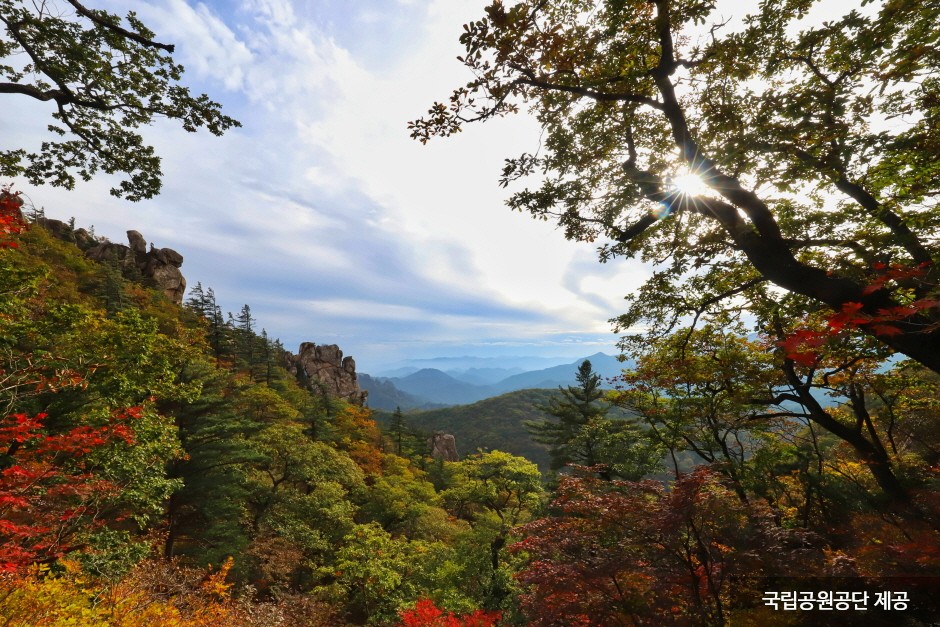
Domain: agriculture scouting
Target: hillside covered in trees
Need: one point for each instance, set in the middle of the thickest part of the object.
(166, 458)
(771, 457)
(156, 447)
(497, 423)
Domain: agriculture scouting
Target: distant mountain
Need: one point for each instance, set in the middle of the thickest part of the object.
(383, 395)
(431, 386)
(483, 376)
(439, 387)
(404, 371)
(449, 364)
(607, 366)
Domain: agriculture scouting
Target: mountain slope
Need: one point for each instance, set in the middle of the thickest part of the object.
(436, 386)
(606, 366)
(493, 423)
(430, 386)
(383, 395)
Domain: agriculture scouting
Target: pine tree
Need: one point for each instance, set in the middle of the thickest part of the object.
(575, 410)
(218, 330)
(266, 357)
(111, 287)
(244, 325)
(197, 300)
(204, 518)
(202, 302)
(397, 429)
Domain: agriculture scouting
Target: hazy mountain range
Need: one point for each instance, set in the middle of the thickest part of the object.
(411, 387)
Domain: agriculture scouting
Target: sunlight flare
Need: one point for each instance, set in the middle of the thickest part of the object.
(689, 184)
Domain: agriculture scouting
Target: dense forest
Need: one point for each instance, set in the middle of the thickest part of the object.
(163, 466)
(770, 458)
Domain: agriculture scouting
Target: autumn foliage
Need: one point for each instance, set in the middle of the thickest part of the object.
(11, 218)
(806, 345)
(426, 614)
(48, 490)
(152, 594)
(139, 448)
(632, 552)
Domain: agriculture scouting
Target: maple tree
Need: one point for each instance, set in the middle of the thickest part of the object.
(106, 77)
(426, 614)
(11, 218)
(623, 553)
(785, 121)
(49, 492)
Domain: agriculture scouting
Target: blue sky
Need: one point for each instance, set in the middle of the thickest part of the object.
(322, 214)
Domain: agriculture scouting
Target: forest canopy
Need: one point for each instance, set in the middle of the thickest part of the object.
(778, 429)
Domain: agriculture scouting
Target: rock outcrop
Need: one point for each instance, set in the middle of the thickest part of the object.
(325, 368)
(60, 230)
(443, 446)
(161, 265)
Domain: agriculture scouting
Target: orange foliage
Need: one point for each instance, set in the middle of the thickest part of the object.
(156, 593)
(804, 345)
(359, 435)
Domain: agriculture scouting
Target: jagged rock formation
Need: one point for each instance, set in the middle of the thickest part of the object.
(325, 368)
(443, 446)
(60, 230)
(162, 265)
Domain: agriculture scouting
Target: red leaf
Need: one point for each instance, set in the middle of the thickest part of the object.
(886, 329)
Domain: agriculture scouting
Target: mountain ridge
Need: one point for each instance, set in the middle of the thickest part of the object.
(431, 386)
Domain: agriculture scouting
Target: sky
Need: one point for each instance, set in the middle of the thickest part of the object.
(322, 214)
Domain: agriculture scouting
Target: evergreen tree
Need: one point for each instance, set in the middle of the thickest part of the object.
(578, 407)
(244, 326)
(202, 302)
(205, 517)
(270, 358)
(397, 429)
(111, 287)
(218, 329)
(197, 300)
(584, 435)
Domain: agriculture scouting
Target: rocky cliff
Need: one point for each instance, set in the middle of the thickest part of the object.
(161, 265)
(325, 368)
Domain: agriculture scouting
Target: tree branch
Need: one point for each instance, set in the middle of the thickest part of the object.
(532, 81)
(32, 91)
(863, 197)
(96, 18)
(863, 253)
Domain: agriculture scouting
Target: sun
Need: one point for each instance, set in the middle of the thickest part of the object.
(689, 184)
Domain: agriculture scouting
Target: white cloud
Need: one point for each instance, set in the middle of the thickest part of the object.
(207, 47)
(326, 217)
